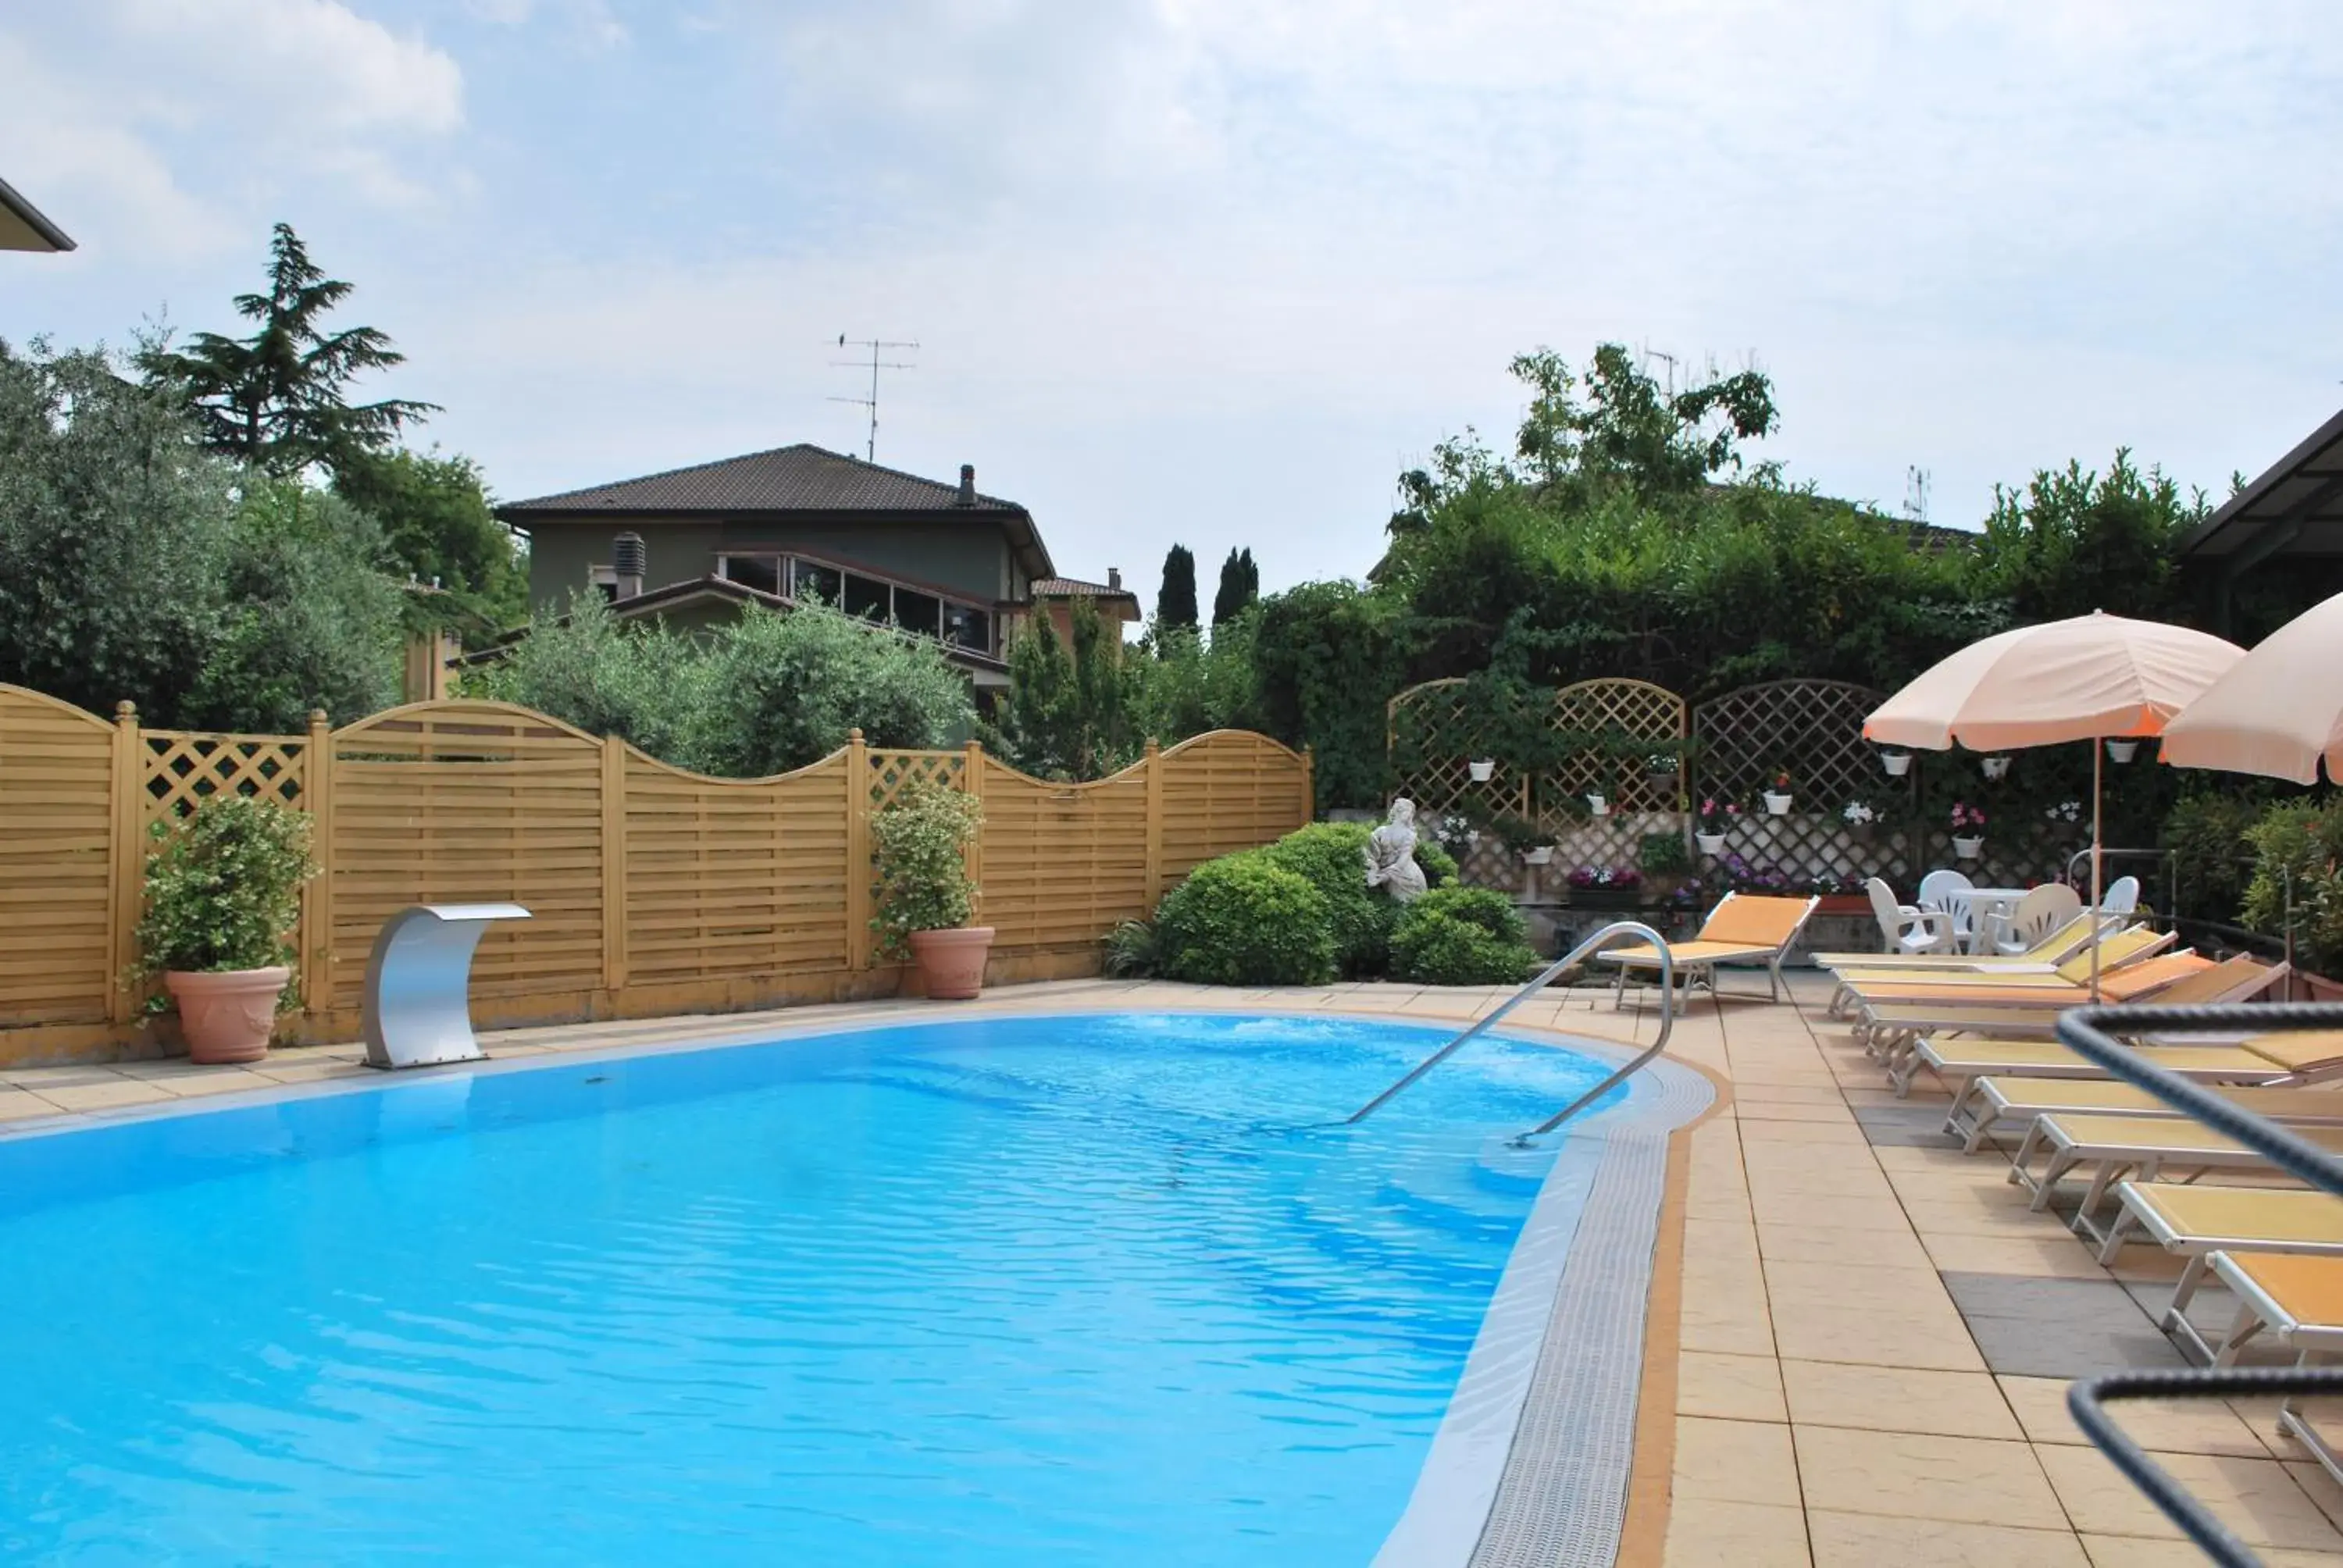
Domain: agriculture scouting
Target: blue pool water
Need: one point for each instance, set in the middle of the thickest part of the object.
(1064, 1291)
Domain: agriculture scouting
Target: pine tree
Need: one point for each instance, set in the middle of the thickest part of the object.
(275, 399)
(1239, 587)
(1176, 606)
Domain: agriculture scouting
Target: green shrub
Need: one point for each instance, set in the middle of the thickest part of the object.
(1461, 936)
(1132, 951)
(2206, 835)
(1439, 866)
(223, 889)
(1332, 857)
(920, 842)
(1243, 921)
(1659, 854)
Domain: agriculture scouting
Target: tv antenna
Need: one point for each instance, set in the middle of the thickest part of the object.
(870, 452)
(1916, 493)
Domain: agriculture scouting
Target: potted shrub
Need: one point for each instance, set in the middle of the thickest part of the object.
(223, 895)
(919, 844)
(1664, 860)
(1777, 796)
(1968, 830)
(1715, 816)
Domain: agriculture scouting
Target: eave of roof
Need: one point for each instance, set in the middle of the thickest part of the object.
(23, 226)
(2303, 487)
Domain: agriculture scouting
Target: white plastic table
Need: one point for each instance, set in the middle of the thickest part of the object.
(418, 1006)
(1979, 907)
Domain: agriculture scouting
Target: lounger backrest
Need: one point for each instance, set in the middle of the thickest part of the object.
(1752, 920)
(2153, 977)
(2115, 951)
(2053, 948)
(2121, 897)
(2232, 979)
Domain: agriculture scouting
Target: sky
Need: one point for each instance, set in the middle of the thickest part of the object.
(1215, 272)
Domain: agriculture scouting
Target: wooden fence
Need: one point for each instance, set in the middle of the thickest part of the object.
(653, 889)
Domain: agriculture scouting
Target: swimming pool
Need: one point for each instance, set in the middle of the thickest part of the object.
(1059, 1290)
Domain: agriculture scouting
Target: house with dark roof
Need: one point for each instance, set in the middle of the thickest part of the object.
(692, 545)
(2284, 527)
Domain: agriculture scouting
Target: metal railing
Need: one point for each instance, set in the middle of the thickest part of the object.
(2092, 1033)
(1607, 937)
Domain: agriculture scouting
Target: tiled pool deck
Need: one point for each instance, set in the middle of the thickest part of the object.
(1858, 1354)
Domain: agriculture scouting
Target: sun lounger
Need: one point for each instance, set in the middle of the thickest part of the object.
(2194, 1222)
(1744, 928)
(2113, 1147)
(2296, 1058)
(1988, 1101)
(2298, 1301)
(2123, 947)
(2042, 958)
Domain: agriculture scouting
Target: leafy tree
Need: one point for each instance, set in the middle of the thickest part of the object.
(1328, 656)
(1192, 686)
(1067, 713)
(782, 690)
(276, 400)
(1176, 604)
(644, 684)
(1631, 432)
(307, 621)
(113, 530)
(2074, 541)
(1239, 587)
(439, 527)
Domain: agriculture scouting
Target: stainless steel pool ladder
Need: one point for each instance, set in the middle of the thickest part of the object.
(1608, 936)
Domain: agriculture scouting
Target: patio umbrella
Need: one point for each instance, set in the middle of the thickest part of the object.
(2277, 711)
(2094, 677)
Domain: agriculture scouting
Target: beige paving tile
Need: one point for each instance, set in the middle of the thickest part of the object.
(1845, 1135)
(1822, 1211)
(2316, 1484)
(309, 1072)
(1874, 1541)
(1725, 1238)
(2061, 1257)
(1812, 1244)
(103, 1095)
(2133, 1552)
(1703, 1533)
(15, 1104)
(1936, 1339)
(2253, 1497)
(2170, 1426)
(1748, 1095)
(219, 1080)
(1737, 1325)
(1734, 1462)
(1897, 1398)
(1881, 1289)
(1732, 1388)
(1911, 1475)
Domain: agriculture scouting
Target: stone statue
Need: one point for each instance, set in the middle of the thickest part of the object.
(1391, 855)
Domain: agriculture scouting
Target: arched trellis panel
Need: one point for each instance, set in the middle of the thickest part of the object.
(1810, 730)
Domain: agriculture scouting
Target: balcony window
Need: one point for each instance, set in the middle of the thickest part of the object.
(968, 626)
(762, 573)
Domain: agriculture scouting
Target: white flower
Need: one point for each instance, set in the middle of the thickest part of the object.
(1858, 813)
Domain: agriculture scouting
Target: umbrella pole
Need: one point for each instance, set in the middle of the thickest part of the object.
(2099, 761)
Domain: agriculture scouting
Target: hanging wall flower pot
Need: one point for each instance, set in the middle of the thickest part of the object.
(1598, 805)
(1710, 843)
(1897, 763)
(1482, 770)
(1540, 855)
(1994, 768)
(1777, 805)
(1968, 848)
(2123, 751)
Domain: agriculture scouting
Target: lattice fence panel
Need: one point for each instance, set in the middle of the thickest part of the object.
(1813, 731)
(891, 772)
(1434, 770)
(183, 770)
(1624, 711)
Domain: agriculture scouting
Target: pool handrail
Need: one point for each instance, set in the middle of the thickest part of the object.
(1576, 955)
(2092, 1033)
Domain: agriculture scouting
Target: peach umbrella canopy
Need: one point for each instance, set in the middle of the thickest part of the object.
(2097, 675)
(2278, 710)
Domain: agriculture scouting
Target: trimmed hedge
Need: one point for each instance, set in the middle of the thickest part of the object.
(1461, 936)
(1243, 921)
(1332, 857)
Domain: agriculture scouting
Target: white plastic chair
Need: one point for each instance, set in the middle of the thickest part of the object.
(1906, 929)
(2120, 897)
(1935, 886)
(2038, 913)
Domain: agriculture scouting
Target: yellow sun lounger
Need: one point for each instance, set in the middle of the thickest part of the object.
(1985, 1102)
(2294, 1057)
(2123, 947)
(2299, 1302)
(2195, 1222)
(1744, 928)
(2113, 1147)
(2042, 958)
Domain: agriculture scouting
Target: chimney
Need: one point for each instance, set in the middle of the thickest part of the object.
(1114, 578)
(629, 560)
(967, 485)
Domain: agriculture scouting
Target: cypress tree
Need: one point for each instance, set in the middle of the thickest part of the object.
(1176, 604)
(1239, 587)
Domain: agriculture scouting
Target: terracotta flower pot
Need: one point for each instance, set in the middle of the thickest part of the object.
(226, 1017)
(951, 963)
